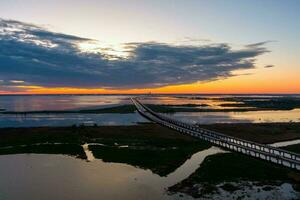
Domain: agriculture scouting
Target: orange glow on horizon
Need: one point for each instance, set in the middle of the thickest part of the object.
(234, 85)
(258, 83)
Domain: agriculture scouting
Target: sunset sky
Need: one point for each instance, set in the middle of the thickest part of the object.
(158, 46)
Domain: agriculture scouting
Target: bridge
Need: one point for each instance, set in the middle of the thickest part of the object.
(253, 149)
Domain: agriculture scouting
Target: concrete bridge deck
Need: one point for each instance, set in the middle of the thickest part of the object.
(260, 151)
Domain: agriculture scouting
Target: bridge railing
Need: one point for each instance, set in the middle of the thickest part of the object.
(224, 138)
(271, 157)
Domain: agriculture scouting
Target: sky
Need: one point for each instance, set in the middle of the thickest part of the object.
(142, 46)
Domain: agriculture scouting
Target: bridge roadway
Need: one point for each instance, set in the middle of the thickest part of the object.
(253, 149)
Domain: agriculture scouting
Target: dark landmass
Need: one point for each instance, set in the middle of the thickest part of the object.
(293, 148)
(183, 105)
(234, 105)
(150, 146)
(234, 167)
(239, 167)
(259, 132)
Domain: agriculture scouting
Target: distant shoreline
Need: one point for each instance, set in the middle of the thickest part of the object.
(158, 94)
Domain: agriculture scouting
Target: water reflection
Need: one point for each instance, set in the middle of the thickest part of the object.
(60, 102)
(61, 177)
(70, 102)
(89, 154)
(36, 120)
(182, 172)
(73, 102)
(210, 101)
(190, 166)
(240, 117)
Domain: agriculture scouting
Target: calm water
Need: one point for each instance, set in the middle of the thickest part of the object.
(73, 102)
(240, 117)
(211, 100)
(43, 177)
(64, 102)
(225, 117)
(60, 102)
(36, 120)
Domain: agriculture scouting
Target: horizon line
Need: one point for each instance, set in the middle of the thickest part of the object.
(26, 94)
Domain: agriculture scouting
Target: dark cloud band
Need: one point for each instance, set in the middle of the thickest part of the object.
(41, 57)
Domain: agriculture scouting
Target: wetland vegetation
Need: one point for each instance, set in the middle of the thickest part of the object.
(147, 146)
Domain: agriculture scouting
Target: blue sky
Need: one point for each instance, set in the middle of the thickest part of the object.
(232, 22)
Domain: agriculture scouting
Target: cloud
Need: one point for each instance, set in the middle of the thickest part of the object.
(38, 56)
(17, 81)
(258, 44)
(269, 66)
